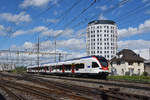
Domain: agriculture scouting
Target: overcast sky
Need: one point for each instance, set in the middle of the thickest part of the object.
(23, 21)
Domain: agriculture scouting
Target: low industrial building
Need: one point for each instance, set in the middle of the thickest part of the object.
(127, 62)
(7, 67)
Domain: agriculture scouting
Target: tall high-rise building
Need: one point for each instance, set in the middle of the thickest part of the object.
(101, 38)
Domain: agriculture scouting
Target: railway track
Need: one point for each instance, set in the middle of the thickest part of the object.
(24, 89)
(11, 95)
(73, 91)
(100, 92)
(46, 94)
(133, 85)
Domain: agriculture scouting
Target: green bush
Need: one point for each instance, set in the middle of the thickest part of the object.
(131, 78)
(145, 74)
(19, 69)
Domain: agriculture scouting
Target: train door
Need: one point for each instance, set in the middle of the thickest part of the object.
(88, 67)
(73, 68)
(82, 67)
(63, 68)
(50, 69)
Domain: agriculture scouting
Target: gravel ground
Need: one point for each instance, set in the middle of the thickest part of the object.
(93, 85)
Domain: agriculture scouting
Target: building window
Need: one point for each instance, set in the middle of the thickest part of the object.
(104, 26)
(138, 63)
(97, 26)
(97, 31)
(130, 63)
(118, 62)
(97, 51)
(122, 71)
(139, 71)
(105, 31)
(107, 56)
(107, 26)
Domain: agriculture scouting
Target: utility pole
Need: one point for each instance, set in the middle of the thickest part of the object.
(18, 58)
(55, 49)
(38, 50)
(59, 57)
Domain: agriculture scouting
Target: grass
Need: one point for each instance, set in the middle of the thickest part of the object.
(19, 70)
(131, 78)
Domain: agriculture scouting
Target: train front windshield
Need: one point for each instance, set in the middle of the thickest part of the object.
(103, 61)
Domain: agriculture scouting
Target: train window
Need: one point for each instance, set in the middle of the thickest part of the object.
(67, 67)
(53, 67)
(94, 65)
(103, 61)
(79, 66)
(60, 67)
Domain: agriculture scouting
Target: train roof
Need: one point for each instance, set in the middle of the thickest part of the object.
(67, 61)
(85, 57)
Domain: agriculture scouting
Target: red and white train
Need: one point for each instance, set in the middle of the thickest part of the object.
(90, 65)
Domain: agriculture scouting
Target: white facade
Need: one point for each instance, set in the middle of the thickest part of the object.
(125, 68)
(101, 38)
(7, 67)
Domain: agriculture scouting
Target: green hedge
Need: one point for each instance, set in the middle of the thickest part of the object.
(131, 78)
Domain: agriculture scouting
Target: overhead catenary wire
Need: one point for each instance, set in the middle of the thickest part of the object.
(121, 3)
(84, 10)
(65, 13)
(117, 5)
(133, 11)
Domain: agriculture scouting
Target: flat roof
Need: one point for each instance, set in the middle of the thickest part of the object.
(102, 22)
